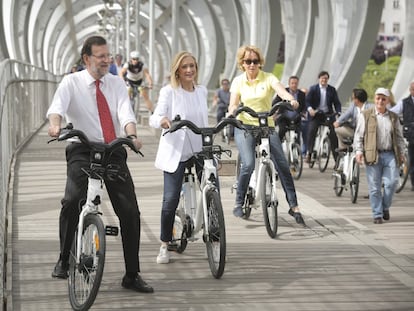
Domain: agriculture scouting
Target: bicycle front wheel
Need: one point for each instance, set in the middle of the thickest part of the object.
(216, 238)
(296, 165)
(85, 277)
(354, 183)
(269, 202)
(323, 157)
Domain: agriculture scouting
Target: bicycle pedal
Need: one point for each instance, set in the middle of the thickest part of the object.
(111, 230)
(172, 247)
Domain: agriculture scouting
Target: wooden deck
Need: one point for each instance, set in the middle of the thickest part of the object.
(342, 261)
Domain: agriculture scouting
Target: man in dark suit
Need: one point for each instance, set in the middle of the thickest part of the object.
(300, 112)
(322, 98)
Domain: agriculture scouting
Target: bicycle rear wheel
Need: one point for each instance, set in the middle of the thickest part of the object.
(297, 165)
(323, 157)
(85, 277)
(216, 239)
(269, 202)
(354, 183)
(403, 173)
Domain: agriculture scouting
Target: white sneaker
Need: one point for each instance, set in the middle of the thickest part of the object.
(163, 256)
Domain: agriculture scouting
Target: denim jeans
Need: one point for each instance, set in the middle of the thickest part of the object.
(384, 171)
(172, 189)
(246, 144)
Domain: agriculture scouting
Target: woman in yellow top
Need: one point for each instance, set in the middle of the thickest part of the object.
(255, 89)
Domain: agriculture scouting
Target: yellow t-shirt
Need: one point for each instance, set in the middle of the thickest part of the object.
(257, 95)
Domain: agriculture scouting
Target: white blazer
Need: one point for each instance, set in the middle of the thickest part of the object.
(180, 145)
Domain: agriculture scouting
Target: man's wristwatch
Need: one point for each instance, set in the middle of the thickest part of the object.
(132, 136)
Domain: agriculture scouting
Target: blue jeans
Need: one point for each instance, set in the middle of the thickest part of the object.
(246, 144)
(384, 171)
(172, 189)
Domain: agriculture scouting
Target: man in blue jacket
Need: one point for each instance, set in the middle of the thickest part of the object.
(321, 99)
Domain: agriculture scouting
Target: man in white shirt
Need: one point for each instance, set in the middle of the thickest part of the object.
(76, 100)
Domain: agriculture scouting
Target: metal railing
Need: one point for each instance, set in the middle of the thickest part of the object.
(25, 94)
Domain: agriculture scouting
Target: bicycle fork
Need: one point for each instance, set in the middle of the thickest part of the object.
(209, 172)
(95, 191)
(262, 170)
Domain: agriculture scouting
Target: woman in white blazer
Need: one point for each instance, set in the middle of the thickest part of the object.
(184, 97)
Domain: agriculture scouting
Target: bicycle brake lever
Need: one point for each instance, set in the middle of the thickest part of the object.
(53, 139)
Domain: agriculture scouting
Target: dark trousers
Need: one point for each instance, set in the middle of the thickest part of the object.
(121, 194)
(172, 189)
(313, 125)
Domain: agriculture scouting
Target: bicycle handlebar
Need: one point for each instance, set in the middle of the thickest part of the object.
(281, 104)
(69, 132)
(178, 123)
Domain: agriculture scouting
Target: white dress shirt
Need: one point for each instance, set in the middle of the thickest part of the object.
(323, 105)
(75, 100)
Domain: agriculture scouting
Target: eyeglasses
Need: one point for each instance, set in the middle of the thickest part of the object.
(102, 57)
(251, 61)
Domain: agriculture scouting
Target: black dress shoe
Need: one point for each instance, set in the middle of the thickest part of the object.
(386, 215)
(136, 284)
(298, 217)
(378, 220)
(61, 270)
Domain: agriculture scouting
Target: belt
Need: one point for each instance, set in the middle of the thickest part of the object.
(381, 151)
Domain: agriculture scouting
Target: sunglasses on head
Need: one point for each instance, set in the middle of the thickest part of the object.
(251, 61)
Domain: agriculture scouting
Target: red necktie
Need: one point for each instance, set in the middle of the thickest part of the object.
(104, 115)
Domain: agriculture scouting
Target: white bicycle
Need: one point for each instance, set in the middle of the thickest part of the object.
(322, 148)
(291, 144)
(262, 187)
(347, 172)
(87, 255)
(201, 211)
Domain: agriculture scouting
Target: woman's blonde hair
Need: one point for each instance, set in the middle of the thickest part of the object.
(175, 66)
(248, 48)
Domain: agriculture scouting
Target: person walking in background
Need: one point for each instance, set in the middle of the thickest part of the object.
(76, 100)
(321, 99)
(244, 88)
(346, 123)
(134, 72)
(118, 63)
(221, 100)
(405, 108)
(112, 67)
(184, 97)
(379, 143)
(283, 118)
